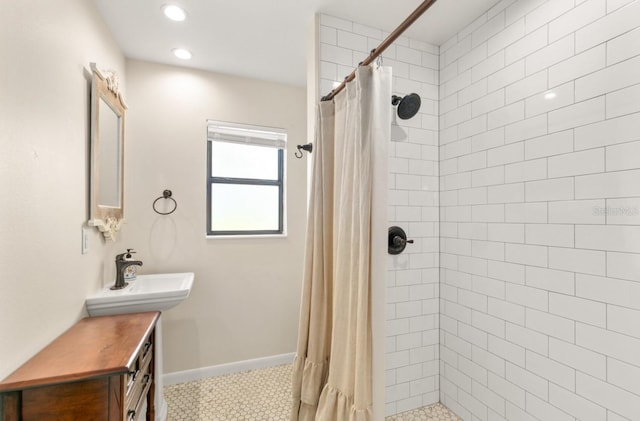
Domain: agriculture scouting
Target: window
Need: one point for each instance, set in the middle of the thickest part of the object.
(245, 179)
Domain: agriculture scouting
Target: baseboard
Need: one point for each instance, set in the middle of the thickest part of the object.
(222, 369)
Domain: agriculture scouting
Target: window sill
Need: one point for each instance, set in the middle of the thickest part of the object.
(254, 236)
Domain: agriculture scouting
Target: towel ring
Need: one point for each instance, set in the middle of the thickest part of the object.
(166, 194)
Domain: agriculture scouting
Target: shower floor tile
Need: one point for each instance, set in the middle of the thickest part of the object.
(435, 412)
(257, 395)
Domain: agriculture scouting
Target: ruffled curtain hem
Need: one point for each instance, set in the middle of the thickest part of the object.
(334, 405)
(308, 379)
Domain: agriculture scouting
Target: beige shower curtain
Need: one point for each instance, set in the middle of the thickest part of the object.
(332, 373)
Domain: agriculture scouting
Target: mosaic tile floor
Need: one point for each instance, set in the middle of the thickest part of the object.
(258, 395)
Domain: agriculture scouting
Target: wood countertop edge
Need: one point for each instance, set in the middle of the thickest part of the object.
(51, 381)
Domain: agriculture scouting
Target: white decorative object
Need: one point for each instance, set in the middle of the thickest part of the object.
(108, 227)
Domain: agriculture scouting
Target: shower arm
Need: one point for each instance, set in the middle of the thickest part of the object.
(383, 45)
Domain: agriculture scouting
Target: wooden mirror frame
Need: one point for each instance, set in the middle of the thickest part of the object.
(104, 85)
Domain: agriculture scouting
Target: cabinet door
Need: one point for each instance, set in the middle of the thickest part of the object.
(10, 406)
(116, 402)
(85, 400)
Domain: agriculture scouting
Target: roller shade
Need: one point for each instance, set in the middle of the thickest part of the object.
(245, 134)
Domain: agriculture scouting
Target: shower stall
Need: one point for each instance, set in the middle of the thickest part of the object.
(518, 182)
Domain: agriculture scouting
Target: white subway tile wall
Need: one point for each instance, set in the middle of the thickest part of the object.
(412, 354)
(540, 208)
(520, 297)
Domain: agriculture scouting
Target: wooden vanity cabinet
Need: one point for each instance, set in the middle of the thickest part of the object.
(102, 368)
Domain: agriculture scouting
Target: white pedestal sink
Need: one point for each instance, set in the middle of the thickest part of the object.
(158, 292)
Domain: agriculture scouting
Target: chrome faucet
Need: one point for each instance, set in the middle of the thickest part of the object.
(121, 265)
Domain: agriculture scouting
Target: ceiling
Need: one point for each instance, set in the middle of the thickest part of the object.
(264, 39)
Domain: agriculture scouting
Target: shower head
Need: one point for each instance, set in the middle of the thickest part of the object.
(407, 106)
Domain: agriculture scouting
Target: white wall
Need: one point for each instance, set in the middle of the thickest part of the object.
(46, 48)
(246, 297)
(412, 281)
(540, 247)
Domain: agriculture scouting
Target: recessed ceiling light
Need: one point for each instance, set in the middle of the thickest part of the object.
(181, 53)
(174, 12)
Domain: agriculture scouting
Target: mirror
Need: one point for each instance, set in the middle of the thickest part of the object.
(107, 153)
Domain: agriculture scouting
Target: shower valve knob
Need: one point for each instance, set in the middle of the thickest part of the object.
(397, 240)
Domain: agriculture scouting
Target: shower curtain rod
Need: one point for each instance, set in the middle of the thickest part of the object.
(383, 45)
